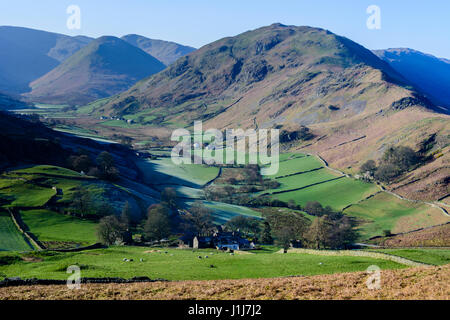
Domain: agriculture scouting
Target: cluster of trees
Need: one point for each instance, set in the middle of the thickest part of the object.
(326, 232)
(314, 208)
(248, 226)
(124, 140)
(103, 167)
(286, 228)
(249, 174)
(395, 162)
(302, 133)
(116, 230)
(162, 220)
(84, 205)
(329, 230)
(242, 196)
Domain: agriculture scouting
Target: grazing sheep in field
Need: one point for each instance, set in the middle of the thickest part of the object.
(199, 257)
(142, 260)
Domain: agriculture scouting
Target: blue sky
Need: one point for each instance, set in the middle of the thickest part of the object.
(421, 25)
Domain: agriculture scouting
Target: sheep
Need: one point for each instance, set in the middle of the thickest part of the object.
(142, 260)
(199, 257)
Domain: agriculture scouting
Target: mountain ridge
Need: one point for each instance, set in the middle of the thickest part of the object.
(165, 51)
(428, 73)
(27, 54)
(106, 66)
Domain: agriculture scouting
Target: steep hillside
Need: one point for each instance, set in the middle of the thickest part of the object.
(8, 102)
(279, 76)
(165, 51)
(19, 66)
(27, 54)
(428, 73)
(25, 141)
(271, 63)
(105, 67)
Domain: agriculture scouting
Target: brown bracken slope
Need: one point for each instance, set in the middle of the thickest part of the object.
(416, 283)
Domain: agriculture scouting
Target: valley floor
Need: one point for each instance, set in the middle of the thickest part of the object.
(414, 283)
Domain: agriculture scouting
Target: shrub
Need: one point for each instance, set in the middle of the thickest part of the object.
(157, 225)
(369, 166)
(387, 172)
(111, 230)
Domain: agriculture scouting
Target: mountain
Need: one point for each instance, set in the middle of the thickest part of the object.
(272, 70)
(106, 66)
(284, 76)
(428, 73)
(27, 54)
(165, 51)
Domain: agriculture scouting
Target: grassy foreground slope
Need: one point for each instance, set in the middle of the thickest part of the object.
(50, 226)
(415, 283)
(179, 264)
(10, 237)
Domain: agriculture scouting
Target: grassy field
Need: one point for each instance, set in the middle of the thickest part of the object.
(179, 264)
(386, 212)
(164, 171)
(429, 256)
(33, 186)
(10, 238)
(303, 180)
(290, 163)
(185, 192)
(336, 194)
(222, 212)
(51, 170)
(23, 194)
(49, 226)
